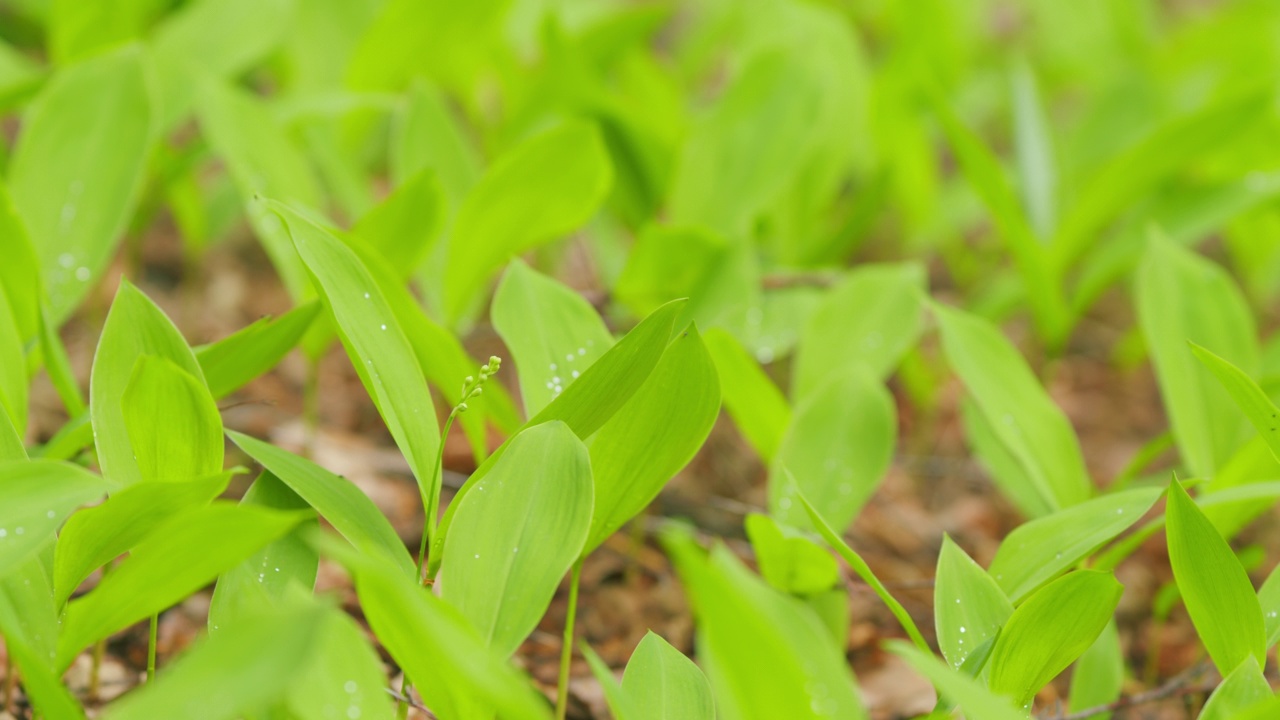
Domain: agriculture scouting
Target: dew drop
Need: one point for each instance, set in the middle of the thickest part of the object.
(574, 374)
(384, 326)
(50, 514)
(582, 351)
(553, 367)
(477, 557)
(83, 274)
(353, 712)
(366, 296)
(957, 601)
(350, 686)
(18, 530)
(66, 260)
(962, 629)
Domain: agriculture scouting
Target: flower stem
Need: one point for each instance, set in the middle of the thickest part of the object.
(566, 649)
(151, 647)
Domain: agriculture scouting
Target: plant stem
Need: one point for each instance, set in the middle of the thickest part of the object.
(151, 647)
(99, 650)
(431, 500)
(566, 649)
(402, 700)
(10, 684)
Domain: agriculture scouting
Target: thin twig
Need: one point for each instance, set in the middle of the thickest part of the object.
(1178, 686)
(411, 703)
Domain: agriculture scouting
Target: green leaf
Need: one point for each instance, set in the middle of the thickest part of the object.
(754, 402)
(1098, 677)
(78, 168)
(861, 569)
(404, 227)
(267, 575)
(135, 326)
(230, 363)
(969, 608)
(518, 531)
(339, 502)
(663, 684)
(263, 161)
(1215, 588)
(94, 536)
(870, 319)
(1037, 551)
(174, 560)
(173, 424)
(58, 366)
(1022, 416)
(1244, 688)
(1050, 630)
(670, 262)
(20, 273)
(539, 190)
(1269, 601)
(79, 30)
(378, 349)
(552, 332)
(839, 447)
(29, 622)
(211, 39)
(620, 703)
(1004, 468)
(38, 496)
(418, 628)
(1181, 297)
(770, 655)
(788, 560)
(344, 675)
(976, 700)
(427, 136)
(589, 402)
(1250, 398)
(13, 368)
(1033, 143)
(11, 447)
(231, 673)
(673, 411)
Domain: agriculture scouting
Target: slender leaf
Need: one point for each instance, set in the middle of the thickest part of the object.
(38, 496)
(756, 405)
(788, 560)
(230, 363)
(969, 608)
(976, 700)
(1250, 398)
(1098, 677)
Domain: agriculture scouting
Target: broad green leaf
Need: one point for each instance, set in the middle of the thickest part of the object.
(976, 700)
(78, 30)
(666, 263)
(870, 319)
(552, 332)
(1033, 144)
(1037, 551)
(741, 622)
(378, 349)
(230, 363)
(1181, 297)
(404, 227)
(1269, 601)
(94, 536)
(230, 673)
(179, 557)
(1250, 398)
(214, 39)
(265, 576)
(13, 368)
(173, 424)
(33, 655)
(1098, 677)
(38, 496)
(10, 442)
(1245, 687)
(344, 676)
(620, 703)
(1214, 586)
(1027, 422)
(788, 560)
(58, 366)
(518, 531)
(839, 446)
(1003, 467)
(587, 404)
(1050, 630)
(982, 169)
(861, 569)
(426, 135)
(969, 608)
(754, 402)
(663, 684)
(20, 273)
(78, 168)
(264, 162)
(673, 412)
(339, 502)
(135, 326)
(539, 190)
(418, 628)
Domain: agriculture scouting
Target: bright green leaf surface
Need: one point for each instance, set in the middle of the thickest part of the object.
(552, 332)
(620, 703)
(344, 676)
(230, 363)
(1269, 601)
(1215, 588)
(94, 536)
(1182, 297)
(838, 447)
(20, 273)
(348, 510)
(976, 700)
(1037, 551)
(135, 326)
(1050, 630)
(1245, 687)
(403, 228)
(539, 190)
(1028, 423)
(13, 368)
(754, 402)
(517, 532)
(672, 412)
(176, 559)
(1250, 398)
(969, 608)
(1098, 677)
(663, 684)
(38, 496)
(173, 424)
(789, 561)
